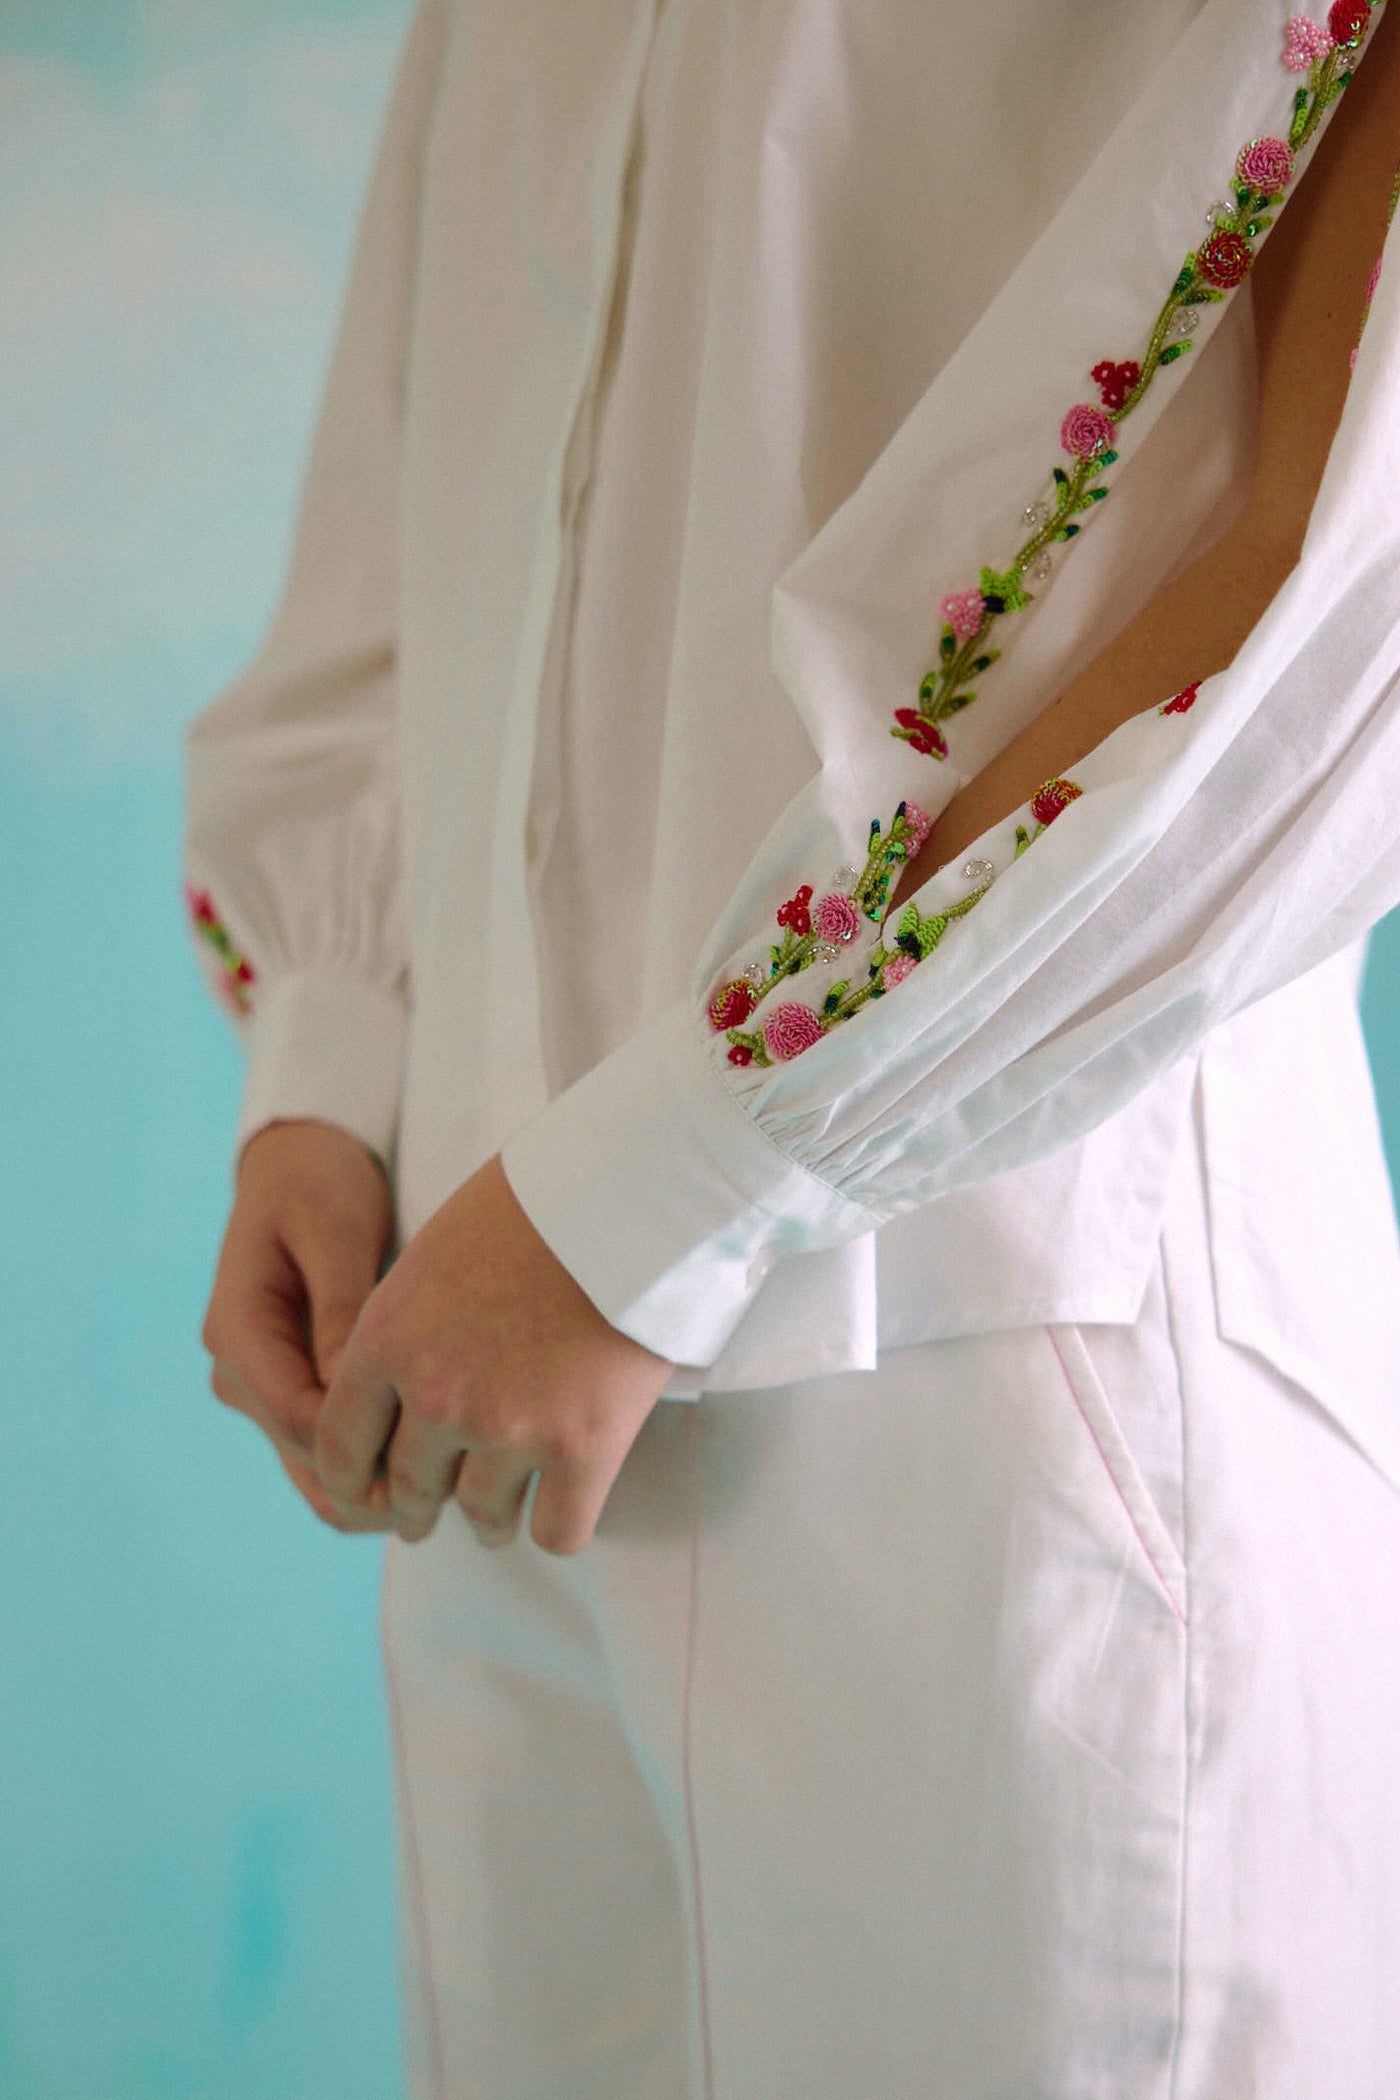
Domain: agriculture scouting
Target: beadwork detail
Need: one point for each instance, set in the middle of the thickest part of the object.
(793, 1027)
(237, 973)
(817, 934)
(1181, 703)
(1264, 167)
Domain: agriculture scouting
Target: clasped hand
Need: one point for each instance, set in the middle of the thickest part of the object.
(475, 1363)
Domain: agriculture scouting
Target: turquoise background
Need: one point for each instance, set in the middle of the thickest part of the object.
(195, 1850)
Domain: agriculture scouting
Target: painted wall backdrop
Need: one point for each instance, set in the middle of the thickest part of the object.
(195, 1854)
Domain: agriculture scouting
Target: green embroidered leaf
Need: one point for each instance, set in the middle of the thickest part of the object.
(1066, 532)
(984, 663)
(1243, 193)
(1095, 495)
(1004, 589)
(1061, 477)
(1105, 459)
(946, 643)
(1023, 839)
(954, 703)
(1185, 274)
(835, 996)
(1172, 352)
(1300, 117)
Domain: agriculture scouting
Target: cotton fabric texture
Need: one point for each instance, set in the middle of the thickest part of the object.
(693, 353)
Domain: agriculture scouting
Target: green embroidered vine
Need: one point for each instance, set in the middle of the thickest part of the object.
(1263, 169)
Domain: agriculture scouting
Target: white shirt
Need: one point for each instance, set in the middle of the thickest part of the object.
(694, 353)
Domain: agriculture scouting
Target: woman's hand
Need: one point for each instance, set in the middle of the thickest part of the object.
(310, 1226)
(477, 1362)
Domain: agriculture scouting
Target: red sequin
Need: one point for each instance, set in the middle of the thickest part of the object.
(1348, 21)
(924, 735)
(1051, 800)
(732, 1005)
(1225, 259)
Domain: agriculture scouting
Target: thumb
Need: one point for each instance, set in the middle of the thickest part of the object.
(340, 1269)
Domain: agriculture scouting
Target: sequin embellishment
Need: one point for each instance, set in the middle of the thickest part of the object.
(237, 974)
(793, 1027)
(1263, 170)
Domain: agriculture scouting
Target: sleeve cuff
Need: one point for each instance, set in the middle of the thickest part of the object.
(661, 1195)
(327, 1048)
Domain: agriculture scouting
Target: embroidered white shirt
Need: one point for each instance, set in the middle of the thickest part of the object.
(693, 354)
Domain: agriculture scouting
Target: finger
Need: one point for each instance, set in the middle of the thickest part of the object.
(314, 1495)
(423, 1461)
(340, 1267)
(284, 1400)
(491, 1490)
(355, 1423)
(568, 1503)
(276, 1381)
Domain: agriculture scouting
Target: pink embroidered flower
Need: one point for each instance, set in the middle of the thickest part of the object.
(732, 1005)
(1225, 259)
(1303, 41)
(836, 918)
(1266, 164)
(1181, 703)
(1086, 431)
(964, 611)
(1115, 382)
(1053, 798)
(898, 968)
(924, 735)
(740, 1054)
(795, 913)
(1348, 21)
(917, 827)
(791, 1029)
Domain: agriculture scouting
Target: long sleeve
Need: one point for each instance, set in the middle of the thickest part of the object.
(292, 847)
(835, 1064)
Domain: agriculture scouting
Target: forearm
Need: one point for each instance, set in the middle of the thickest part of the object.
(1190, 630)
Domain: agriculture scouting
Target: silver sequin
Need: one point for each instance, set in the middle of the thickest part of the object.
(1040, 568)
(1036, 513)
(978, 870)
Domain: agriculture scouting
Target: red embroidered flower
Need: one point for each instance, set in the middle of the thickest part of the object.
(1085, 431)
(1303, 41)
(836, 918)
(1225, 258)
(245, 973)
(791, 1029)
(740, 1054)
(795, 912)
(1181, 703)
(732, 1005)
(1050, 800)
(1266, 164)
(1115, 382)
(924, 735)
(964, 611)
(202, 906)
(1348, 21)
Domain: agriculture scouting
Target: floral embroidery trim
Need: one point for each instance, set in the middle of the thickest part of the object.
(794, 1027)
(817, 933)
(237, 973)
(1263, 170)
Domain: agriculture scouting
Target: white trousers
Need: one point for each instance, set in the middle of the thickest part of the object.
(1020, 1721)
